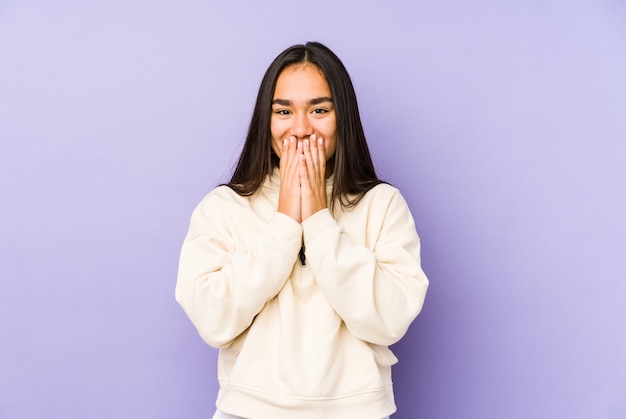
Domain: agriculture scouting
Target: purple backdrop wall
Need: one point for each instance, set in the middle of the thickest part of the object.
(503, 124)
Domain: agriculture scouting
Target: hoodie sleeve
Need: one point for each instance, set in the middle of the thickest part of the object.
(223, 285)
(377, 289)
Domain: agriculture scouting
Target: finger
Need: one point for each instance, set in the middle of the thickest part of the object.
(312, 167)
(289, 167)
(302, 174)
(314, 152)
(321, 159)
(283, 153)
(291, 155)
(293, 146)
(287, 156)
(289, 197)
(306, 151)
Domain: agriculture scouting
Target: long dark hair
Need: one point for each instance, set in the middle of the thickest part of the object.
(353, 169)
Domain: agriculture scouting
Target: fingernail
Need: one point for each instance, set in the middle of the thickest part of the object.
(285, 142)
(321, 141)
(306, 143)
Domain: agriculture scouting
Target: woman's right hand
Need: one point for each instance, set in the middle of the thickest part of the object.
(289, 196)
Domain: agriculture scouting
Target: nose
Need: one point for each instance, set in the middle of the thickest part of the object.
(302, 127)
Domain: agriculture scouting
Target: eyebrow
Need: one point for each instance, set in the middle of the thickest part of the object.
(316, 101)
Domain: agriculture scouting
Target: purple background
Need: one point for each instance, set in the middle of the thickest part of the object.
(503, 123)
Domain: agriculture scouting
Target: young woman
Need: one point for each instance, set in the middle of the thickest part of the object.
(305, 267)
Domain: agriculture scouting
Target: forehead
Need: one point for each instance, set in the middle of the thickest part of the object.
(301, 80)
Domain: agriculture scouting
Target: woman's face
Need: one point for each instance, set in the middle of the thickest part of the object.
(303, 105)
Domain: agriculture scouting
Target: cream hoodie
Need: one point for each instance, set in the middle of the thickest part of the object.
(302, 341)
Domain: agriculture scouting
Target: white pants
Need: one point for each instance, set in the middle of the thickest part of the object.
(222, 415)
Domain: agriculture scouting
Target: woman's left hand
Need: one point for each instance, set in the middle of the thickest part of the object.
(313, 176)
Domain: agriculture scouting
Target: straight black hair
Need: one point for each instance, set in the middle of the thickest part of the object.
(353, 169)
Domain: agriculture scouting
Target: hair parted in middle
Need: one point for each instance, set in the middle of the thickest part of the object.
(353, 169)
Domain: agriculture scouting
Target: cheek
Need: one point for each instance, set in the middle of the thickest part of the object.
(330, 136)
(330, 149)
(277, 135)
(275, 147)
(278, 127)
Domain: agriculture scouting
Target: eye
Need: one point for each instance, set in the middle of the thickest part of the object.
(320, 111)
(282, 112)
